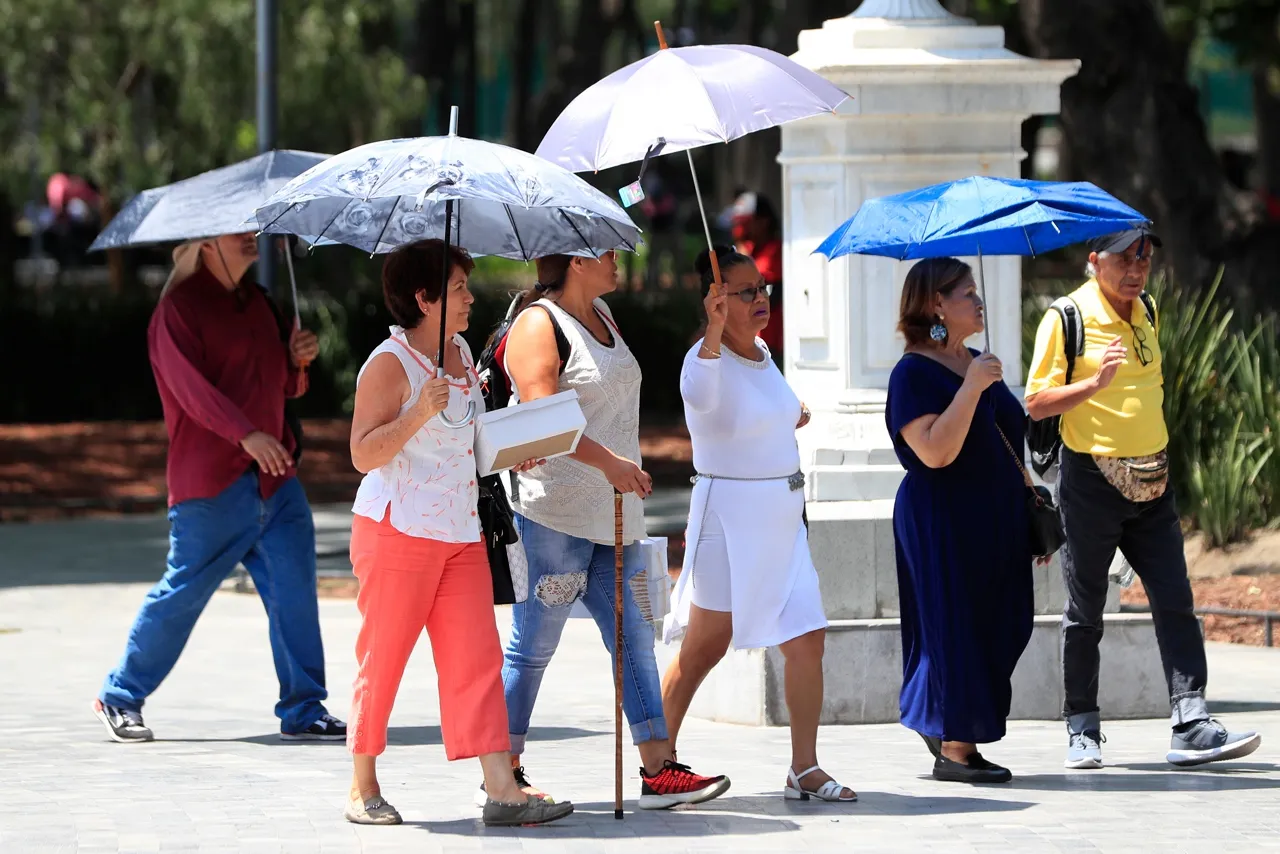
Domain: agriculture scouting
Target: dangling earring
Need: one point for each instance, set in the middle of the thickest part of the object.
(938, 332)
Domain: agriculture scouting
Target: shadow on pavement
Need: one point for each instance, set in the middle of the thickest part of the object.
(1235, 777)
(881, 803)
(397, 736)
(1223, 707)
(596, 821)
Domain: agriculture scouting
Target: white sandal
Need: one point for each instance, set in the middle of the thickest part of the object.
(829, 791)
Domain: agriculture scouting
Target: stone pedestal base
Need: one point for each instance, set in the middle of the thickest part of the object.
(862, 672)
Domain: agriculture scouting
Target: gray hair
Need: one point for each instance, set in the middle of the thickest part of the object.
(1090, 269)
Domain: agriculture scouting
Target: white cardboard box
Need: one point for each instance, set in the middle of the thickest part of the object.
(540, 429)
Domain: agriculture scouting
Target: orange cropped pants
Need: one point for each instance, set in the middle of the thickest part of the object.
(408, 583)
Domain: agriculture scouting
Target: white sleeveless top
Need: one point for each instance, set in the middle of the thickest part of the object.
(569, 496)
(430, 485)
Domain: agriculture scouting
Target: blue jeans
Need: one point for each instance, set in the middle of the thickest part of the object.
(563, 569)
(275, 539)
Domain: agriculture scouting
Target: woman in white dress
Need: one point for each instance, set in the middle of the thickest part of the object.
(748, 577)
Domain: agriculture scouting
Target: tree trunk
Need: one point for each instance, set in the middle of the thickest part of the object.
(468, 45)
(1131, 124)
(521, 115)
(1266, 110)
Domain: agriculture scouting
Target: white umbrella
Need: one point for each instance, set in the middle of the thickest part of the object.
(682, 98)
(486, 198)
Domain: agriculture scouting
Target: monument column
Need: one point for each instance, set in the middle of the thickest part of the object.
(934, 98)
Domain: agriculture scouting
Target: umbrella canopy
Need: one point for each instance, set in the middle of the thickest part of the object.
(686, 97)
(504, 202)
(211, 204)
(981, 216)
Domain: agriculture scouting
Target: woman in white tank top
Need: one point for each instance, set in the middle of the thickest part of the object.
(564, 513)
(416, 545)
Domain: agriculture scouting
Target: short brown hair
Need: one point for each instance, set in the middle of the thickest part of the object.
(415, 269)
(925, 281)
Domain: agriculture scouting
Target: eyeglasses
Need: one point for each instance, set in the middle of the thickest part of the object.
(1145, 356)
(748, 295)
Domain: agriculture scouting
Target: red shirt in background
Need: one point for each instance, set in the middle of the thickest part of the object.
(223, 372)
(768, 258)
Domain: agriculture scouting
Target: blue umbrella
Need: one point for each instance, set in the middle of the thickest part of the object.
(981, 216)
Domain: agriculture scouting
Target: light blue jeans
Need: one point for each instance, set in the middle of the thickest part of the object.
(562, 570)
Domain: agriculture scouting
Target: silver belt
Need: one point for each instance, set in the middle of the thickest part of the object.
(794, 481)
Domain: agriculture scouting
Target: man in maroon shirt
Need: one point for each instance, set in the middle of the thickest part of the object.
(223, 367)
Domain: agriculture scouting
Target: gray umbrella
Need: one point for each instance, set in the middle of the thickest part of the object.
(212, 204)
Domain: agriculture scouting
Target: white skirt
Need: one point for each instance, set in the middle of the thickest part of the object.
(747, 552)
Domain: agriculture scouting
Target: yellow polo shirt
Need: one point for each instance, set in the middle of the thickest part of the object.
(1125, 419)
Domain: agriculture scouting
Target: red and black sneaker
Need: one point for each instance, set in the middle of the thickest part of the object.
(677, 784)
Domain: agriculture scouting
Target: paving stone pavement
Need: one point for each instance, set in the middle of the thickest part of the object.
(218, 779)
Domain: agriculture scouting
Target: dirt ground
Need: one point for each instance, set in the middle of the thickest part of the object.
(102, 469)
(51, 471)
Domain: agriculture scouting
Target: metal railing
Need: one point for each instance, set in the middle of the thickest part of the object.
(1269, 618)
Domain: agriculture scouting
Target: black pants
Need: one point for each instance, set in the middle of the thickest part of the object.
(1098, 520)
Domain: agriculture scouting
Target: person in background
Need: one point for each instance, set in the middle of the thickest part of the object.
(960, 525)
(748, 578)
(224, 362)
(1114, 493)
(757, 234)
(416, 545)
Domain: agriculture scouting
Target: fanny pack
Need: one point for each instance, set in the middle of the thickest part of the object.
(1139, 479)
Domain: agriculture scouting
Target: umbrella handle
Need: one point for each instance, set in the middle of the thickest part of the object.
(466, 419)
(717, 284)
(617, 654)
(293, 286)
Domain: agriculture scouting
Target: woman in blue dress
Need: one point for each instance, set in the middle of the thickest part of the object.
(960, 525)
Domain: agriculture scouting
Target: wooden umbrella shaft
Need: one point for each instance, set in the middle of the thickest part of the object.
(617, 655)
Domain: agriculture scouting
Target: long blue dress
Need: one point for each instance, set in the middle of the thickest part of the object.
(964, 560)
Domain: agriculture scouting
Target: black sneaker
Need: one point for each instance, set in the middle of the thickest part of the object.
(123, 725)
(522, 781)
(1208, 741)
(327, 728)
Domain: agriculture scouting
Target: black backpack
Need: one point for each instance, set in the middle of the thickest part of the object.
(1044, 438)
(495, 385)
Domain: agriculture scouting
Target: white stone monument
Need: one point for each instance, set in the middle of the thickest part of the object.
(934, 98)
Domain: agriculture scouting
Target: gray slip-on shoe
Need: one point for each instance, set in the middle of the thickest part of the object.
(1209, 741)
(532, 811)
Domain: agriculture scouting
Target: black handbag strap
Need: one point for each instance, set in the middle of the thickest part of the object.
(1026, 476)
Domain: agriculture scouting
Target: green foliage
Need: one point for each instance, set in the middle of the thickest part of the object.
(134, 95)
(1223, 487)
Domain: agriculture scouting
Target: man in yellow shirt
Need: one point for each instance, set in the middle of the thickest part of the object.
(1113, 493)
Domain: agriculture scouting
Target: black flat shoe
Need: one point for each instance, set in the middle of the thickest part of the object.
(934, 744)
(977, 770)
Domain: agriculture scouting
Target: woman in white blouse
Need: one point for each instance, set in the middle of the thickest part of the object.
(748, 577)
(416, 545)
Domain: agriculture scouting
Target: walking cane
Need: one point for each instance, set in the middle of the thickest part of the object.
(617, 654)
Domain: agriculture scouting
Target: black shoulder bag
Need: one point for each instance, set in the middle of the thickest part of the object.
(1046, 534)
